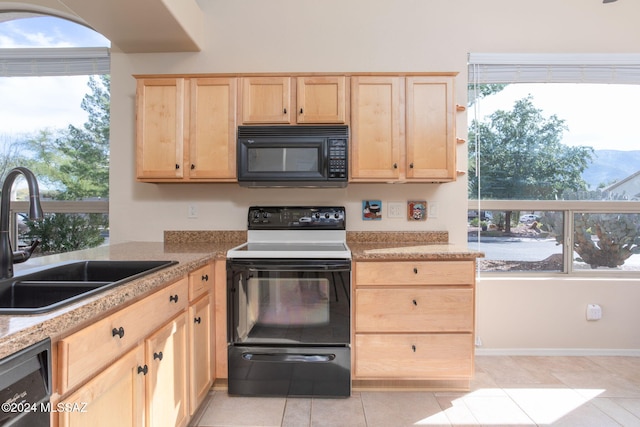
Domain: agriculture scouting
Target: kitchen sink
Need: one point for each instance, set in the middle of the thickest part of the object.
(55, 286)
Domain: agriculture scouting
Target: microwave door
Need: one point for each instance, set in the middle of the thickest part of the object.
(276, 161)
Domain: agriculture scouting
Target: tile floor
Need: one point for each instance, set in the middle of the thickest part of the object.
(506, 391)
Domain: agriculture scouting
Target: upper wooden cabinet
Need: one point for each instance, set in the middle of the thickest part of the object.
(395, 140)
(186, 129)
(291, 100)
(377, 126)
(321, 99)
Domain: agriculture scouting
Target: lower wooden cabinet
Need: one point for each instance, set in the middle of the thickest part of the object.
(201, 351)
(166, 378)
(413, 322)
(114, 397)
(149, 364)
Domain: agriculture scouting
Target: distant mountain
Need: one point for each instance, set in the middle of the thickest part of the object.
(609, 166)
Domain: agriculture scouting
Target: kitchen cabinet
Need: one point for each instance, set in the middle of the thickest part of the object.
(157, 354)
(186, 129)
(114, 397)
(291, 100)
(201, 342)
(403, 128)
(166, 378)
(414, 321)
(377, 128)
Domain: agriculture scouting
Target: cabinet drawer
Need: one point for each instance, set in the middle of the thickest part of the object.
(414, 310)
(199, 281)
(415, 273)
(90, 349)
(414, 356)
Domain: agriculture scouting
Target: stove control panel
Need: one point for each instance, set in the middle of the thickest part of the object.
(296, 217)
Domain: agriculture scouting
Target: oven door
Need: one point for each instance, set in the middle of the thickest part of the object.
(289, 328)
(289, 302)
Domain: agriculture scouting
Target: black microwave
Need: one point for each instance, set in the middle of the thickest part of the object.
(293, 156)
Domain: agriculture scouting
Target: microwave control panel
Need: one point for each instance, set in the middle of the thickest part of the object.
(337, 158)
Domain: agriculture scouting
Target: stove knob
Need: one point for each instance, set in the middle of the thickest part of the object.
(327, 215)
(336, 215)
(317, 215)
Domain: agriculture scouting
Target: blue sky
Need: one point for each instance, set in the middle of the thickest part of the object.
(28, 104)
(602, 116)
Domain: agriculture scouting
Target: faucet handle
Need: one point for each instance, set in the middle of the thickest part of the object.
(25, 254)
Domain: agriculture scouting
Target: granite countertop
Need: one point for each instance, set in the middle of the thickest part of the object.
(394, 246)
(20, 331)
(192, 250)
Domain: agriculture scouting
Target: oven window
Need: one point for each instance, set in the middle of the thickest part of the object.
(287, 306)
(283, 159)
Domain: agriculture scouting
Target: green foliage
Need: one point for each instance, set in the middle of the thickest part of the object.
(75, 163)
(67, 232)
(522, 156)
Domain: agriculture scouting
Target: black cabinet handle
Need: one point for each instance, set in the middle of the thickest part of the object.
(193, 166)
(411, 165)
(177, 166)
(301, 111)
(197, 320)
(173, 298)
(119, 332)
(157, 356)
(285, 111)
(413, 347)
(205, 277)
(415, 270)
(395, 166)
(143, 369)
(415, 302)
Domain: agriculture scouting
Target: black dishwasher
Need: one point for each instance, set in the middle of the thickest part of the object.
(25, 387)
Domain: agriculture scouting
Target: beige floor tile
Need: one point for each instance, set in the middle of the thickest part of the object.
(626, 412)
(225, 410)
(297, 413)
(493, 409)
(454, 408)
(546, 406)
(338, 412)
(603, 384)
(402, 409)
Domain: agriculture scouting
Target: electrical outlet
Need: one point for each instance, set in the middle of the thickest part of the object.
(394, 209)
(192, 212)
(433, 210)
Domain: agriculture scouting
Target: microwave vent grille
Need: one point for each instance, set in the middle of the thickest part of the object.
(293, 131)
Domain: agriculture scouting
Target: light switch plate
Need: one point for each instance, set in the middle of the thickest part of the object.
(395, 209)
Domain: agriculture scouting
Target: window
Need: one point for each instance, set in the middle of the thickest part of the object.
(54, 115)
(554, 164)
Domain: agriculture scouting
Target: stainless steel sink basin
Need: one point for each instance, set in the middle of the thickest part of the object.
(51, 288)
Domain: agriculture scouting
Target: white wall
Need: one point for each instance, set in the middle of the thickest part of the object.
(369, 36)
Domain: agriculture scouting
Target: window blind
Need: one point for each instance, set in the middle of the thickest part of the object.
(27, 62)
(485, 68)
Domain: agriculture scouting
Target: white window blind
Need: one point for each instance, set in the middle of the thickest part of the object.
(487, 68)
(27, 62)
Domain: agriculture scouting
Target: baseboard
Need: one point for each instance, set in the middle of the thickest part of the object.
(557, 352)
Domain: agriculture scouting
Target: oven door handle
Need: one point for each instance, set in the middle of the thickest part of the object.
(289, 357)
(299, 267)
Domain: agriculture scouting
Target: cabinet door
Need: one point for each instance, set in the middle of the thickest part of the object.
(431, 146)
(212, 131)
(321, 99)
(159, 128)
(200, 344)
(376, 128)
(114, 397)
(166, 380)
(266, 100)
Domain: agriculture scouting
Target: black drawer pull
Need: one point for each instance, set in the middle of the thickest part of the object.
(411, 165)
(415, 302)
(301, 111)
(193, 166)
(285, 111)
(119, 332)
(157, 356)
(173, 298)
(415, 270)
(413, 347)
(177, 166)
(205, 277)
(197, 320)
(395, 166)
(143, 369)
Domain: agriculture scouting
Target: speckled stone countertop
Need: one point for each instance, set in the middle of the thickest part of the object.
(192, 249)
(394, 246)
(19, 331)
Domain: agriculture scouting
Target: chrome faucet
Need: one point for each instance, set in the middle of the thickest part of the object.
(7, 256)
